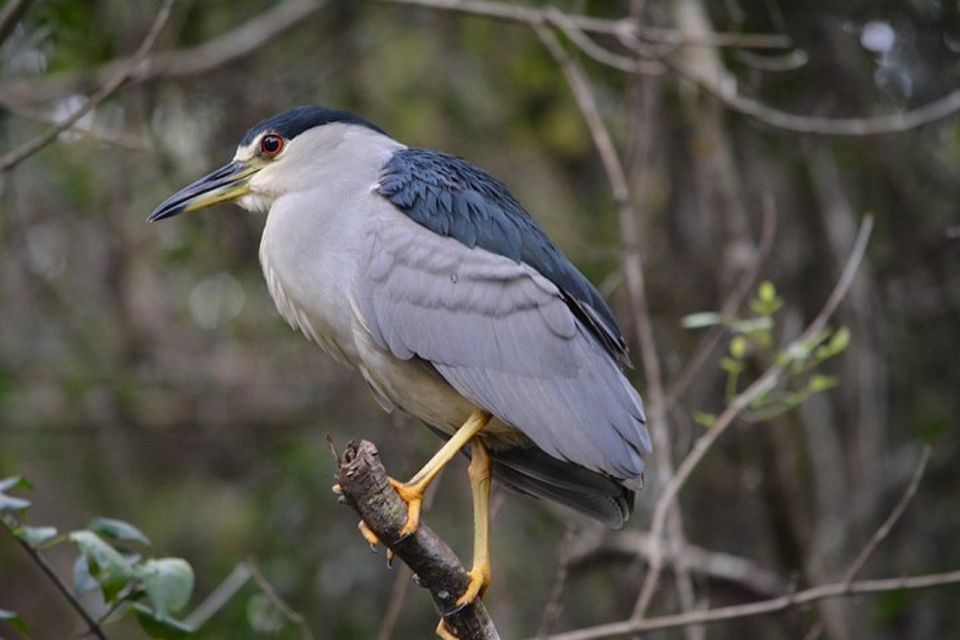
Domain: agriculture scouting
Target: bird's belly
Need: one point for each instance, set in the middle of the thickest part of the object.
(415, 387)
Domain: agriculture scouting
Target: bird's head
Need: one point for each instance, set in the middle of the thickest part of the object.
(278, 155)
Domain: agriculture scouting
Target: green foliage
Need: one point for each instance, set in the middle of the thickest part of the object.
(753, 339)
(14, 621)
(154, 589)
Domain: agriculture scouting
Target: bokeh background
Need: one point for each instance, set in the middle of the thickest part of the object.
(145, 375)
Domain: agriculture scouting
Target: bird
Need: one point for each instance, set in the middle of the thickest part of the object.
(426, 275)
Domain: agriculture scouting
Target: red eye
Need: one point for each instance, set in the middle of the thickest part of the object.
(271, 145)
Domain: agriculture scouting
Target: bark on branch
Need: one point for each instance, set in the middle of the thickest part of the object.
(363, 481)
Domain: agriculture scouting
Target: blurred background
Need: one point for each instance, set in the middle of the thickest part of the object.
(145, 375)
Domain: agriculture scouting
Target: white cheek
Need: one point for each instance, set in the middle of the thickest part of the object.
(255, 203)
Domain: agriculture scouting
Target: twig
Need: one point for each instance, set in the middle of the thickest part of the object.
(882, 531)
(711, 564)
(730, 306)
(633, 274)
(869, 126)
(554, 606)
(532, 16)
(401, 584)
(398, 595)
(123, 140)
(576, 35)
(293, 617)
(219, 51)
(93, 627)
(10, 15)
(27, 149)
(220, 596)
(761, 385)
(364, 484)
(773, 605)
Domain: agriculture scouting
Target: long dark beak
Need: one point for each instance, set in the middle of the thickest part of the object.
(223, 185)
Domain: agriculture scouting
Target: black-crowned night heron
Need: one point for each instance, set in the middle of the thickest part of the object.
(426, 275)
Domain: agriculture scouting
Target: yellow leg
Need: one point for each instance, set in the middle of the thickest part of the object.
(479, 471)
(412, 491)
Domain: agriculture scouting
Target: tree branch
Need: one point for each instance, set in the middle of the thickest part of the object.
(93, 628)
(10, 15)
(773, 605)
(882, 531)
(120, 78)
(365, 487)
(621, 27)
(715, 565)
(869, 126)
(218, 51)
(761, 385)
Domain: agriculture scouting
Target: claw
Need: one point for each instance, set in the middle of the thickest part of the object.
(479, 580)
(443, 631)
(368, 535)
(391, 555)
(412, 495)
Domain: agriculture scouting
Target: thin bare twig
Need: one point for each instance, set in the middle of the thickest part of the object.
(628, 64)
(660, 35)
(293, 617)
(761, 385)
(633, 274)
(726, 93)
(398, 595)
(220, 596)
(10, 15)
(24, 151)
(122, 140)
(882, 531)
(715, 565)
(730, 306)
(93, 627)
(762, 607)
(216, 52)
(554, 606)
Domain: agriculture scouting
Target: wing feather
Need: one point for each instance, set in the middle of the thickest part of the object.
(503, 336)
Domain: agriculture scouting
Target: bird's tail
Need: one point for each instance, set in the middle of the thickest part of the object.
(535, 473)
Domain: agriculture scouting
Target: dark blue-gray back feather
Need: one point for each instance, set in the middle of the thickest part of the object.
(453, 198)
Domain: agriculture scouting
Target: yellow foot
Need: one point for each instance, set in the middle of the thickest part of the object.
(443, 631)
(479, 580)
(368, 535)
(412, 495)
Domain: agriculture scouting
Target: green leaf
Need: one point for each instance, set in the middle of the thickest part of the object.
(730, 365)
(158, 625)
(83, 582)
(752, 325)
(738, 347)
(705, 419)
(767, 301)
(700, 320)
(766, 292)
(12, 503)
(117, 530)
(108, 567)
(821, 382)
(14, 620)
(35, 536)
(14, 482)
(168, 583)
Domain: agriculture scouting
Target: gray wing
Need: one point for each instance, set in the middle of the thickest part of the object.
(501, 334)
